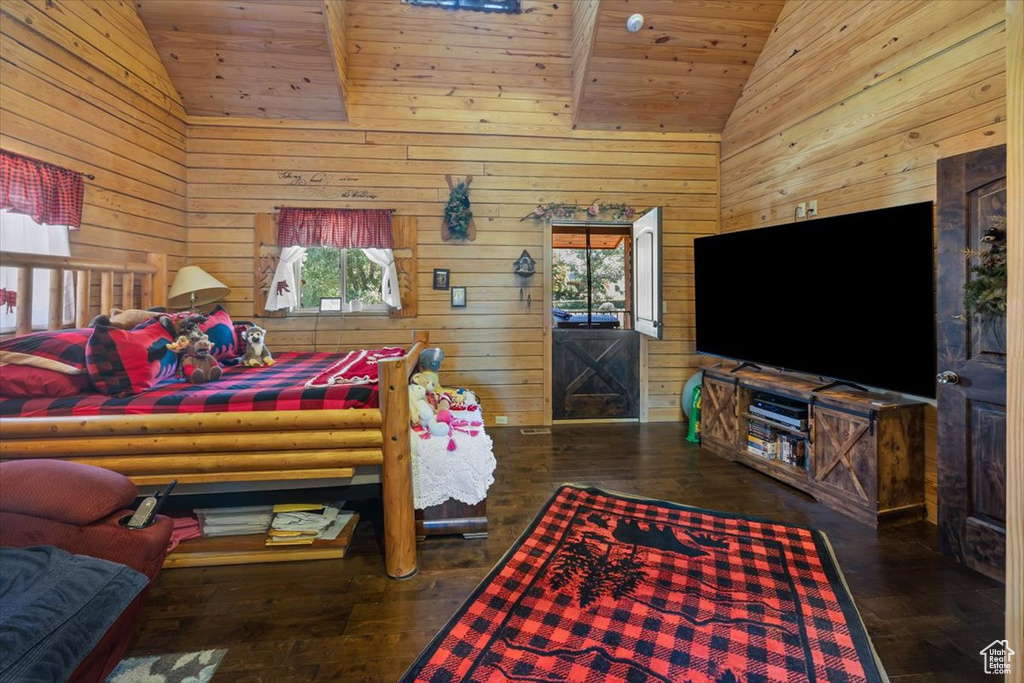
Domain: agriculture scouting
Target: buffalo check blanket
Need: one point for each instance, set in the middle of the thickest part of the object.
(607, 587)
(279, 387)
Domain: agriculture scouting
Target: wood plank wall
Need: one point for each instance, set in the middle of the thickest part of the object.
(851, 103)
(81, 86)
(495, 344)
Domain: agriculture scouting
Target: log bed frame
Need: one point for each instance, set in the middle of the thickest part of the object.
(234, 446)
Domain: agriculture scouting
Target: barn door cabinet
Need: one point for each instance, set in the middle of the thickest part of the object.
(861, 453)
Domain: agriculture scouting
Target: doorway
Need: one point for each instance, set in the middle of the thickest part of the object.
(597, 286)
(972, 360)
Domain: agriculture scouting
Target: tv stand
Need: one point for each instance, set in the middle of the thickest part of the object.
(858, 452)
(838, 383)
(745, 364)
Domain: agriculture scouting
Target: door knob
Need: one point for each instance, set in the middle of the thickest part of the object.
(948, 377)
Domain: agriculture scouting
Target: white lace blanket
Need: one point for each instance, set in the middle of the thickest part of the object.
(464, 474)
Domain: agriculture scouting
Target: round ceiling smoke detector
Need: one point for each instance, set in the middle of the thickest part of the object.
(635, 23)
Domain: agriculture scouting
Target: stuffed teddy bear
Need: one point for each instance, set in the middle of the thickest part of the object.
(198, 365)
(422, 413)
(429, 380)
(256, 352)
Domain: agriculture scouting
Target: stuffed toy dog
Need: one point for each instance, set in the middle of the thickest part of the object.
(256, 352)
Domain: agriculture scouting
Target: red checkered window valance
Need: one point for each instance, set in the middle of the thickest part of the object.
(49, 194)
(338, 228)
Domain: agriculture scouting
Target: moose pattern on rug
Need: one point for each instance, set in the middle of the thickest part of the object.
(605, 587)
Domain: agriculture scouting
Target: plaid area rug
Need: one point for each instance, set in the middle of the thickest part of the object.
(606, 587)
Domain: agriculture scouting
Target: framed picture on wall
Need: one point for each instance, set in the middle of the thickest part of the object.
(441, 278)
(458, 297)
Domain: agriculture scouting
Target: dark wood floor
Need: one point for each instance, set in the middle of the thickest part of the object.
(345, 621)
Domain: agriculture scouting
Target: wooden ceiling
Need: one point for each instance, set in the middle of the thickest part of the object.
(251, 58)
(683, 71)
(559, 64)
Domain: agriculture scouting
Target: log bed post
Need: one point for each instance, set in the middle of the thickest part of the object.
(396, 471)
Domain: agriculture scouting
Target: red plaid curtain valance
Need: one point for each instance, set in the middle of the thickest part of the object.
(49, 194)
(338, 228)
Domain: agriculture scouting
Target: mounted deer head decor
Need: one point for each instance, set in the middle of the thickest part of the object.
(458, 216)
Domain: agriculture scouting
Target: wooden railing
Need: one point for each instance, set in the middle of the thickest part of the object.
(152, 276)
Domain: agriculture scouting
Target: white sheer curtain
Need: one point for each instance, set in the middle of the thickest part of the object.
(284, 288)
(20, 233)
(389, 291)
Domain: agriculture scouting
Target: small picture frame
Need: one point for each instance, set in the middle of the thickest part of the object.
(441, 276)
(330, 304)
(458, 297)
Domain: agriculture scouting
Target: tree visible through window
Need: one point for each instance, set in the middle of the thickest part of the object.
(589, 270)
(345, 273)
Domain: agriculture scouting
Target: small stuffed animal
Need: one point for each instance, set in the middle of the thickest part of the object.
(198, 365)
(256, 352)
(126, 319)
(429, 380)
(422, 413)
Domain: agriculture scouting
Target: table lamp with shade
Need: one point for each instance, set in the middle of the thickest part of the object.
(193, 287)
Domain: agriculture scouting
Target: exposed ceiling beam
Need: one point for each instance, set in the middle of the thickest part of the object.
(585, 17)
(334, 15)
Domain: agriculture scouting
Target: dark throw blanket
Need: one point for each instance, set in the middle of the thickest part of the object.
(608, 587)
(55, 607)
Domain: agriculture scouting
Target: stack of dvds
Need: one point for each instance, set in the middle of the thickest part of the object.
(762, 439)
(793, 450)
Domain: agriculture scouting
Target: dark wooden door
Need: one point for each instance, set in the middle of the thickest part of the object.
(596, 373)
(972, 368)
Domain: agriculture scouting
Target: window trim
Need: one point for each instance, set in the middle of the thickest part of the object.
(495, 6)
(370, 309)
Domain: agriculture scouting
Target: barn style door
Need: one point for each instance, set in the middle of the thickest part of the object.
(972, 365)
(596, 374)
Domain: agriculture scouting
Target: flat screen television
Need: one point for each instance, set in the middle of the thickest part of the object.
(845, 297)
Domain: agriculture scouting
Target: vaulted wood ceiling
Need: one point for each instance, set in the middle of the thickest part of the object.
(559, 63)
(251, 58)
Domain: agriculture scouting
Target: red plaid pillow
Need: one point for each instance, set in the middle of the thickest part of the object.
(126, 362)
(220, 330)
(25, 381)
(57, 350)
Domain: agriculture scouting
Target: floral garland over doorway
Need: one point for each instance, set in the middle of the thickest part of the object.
(617, 213)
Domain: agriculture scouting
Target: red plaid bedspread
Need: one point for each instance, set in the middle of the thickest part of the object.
(279, 387)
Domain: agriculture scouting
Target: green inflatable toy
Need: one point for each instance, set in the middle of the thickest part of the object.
(694, 435)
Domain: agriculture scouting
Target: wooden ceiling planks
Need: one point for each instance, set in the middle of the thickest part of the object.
(683, 71)
(557, 66)
(253, 58)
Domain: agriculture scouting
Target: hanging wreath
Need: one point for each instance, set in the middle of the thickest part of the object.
(458, 216)
(985, 293)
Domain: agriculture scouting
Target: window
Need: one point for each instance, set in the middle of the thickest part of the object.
(345, 273)
(589, 275)
(19, 232)
(504, 6)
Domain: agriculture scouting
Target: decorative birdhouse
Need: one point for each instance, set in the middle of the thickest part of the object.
(524, 265)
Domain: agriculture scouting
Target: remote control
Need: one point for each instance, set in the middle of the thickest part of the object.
(149, 507)
(143, 514)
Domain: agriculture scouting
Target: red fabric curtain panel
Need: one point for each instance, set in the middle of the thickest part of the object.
(338, 228)
(49, 194)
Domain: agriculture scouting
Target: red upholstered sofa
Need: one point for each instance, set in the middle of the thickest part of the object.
(77, 508)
